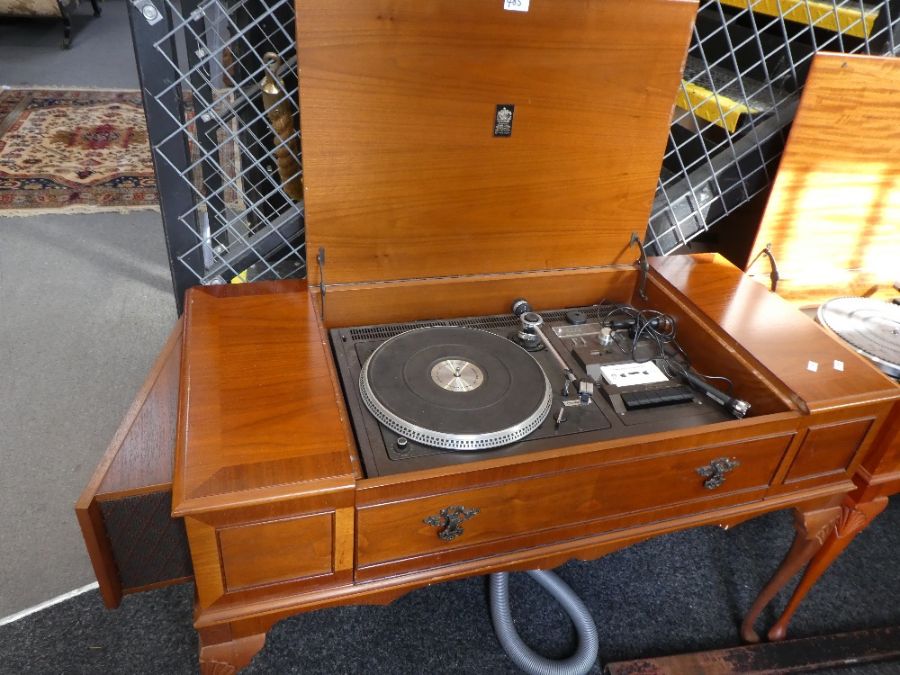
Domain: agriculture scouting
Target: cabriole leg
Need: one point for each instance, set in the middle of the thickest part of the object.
(812, 527)
(854, 518)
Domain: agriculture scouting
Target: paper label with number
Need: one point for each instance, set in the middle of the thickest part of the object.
(516, 5)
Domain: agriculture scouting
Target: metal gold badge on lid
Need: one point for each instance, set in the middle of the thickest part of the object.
(503, 119)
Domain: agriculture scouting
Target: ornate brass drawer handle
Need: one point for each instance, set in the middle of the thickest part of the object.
(715, 471)
(450, 521)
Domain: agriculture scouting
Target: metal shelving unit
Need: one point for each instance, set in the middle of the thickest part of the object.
(219, 156)
(745, 71)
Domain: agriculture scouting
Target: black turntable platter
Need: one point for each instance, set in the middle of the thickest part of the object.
(455, 388)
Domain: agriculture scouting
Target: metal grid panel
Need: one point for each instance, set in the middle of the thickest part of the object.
(237, 147)
(220, 158)
(747, 64)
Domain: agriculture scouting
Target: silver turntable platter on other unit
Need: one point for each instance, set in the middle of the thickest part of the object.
(872, 327)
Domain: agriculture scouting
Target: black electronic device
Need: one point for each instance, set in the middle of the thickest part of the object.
(735, 406)
(436, 393)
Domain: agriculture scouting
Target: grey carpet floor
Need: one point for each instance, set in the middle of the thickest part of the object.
(678, 593)
(85, 306)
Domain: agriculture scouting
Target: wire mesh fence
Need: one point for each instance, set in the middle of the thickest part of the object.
(220, 91)
(746, 67)
(220, 87)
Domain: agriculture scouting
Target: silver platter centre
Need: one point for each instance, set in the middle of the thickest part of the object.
(457, 375)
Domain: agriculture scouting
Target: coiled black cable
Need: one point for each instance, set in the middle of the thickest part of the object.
(659, 330)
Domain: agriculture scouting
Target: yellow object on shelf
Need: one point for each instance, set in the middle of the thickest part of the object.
(847, 20)
(712, 107)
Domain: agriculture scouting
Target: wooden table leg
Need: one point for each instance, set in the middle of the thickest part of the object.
(812, 527)
(853, 519)
(223, 654)
(67, 24)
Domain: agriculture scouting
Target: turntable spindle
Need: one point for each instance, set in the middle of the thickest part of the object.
(457, 375)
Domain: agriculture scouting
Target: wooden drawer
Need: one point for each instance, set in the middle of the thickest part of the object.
(394, 536)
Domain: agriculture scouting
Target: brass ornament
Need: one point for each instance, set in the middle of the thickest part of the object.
(281, 118)
(715, 471)
(450, 520)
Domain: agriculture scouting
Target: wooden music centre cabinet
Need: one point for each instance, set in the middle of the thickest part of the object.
(831, 225)
(458, 156)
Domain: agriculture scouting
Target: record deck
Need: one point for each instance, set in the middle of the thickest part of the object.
(435, 393)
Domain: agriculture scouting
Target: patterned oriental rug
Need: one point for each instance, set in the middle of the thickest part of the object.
(73, 151)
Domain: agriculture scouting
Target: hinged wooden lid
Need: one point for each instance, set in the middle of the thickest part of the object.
(833, 218)
(404, 176)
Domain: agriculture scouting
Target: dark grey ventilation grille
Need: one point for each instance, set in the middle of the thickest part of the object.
(149, 546)
(484, 322)
(385, 332)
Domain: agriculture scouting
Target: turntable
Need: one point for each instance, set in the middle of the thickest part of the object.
(455, 388)
(392, 421)
(439, 393)
(871, 327)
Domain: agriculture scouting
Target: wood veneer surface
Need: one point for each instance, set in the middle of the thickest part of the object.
(145, 455)
(833, 218)
(140, 453)
(403, 177)
(543, 502)
(278, 550)
(883, 462)
(258, 406)
(138, 461)
(452, 297)
(780, 337)
(829, 448)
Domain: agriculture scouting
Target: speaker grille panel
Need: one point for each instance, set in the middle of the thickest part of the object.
(149, 546)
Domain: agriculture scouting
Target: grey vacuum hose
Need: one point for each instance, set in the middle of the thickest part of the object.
(521, 654)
